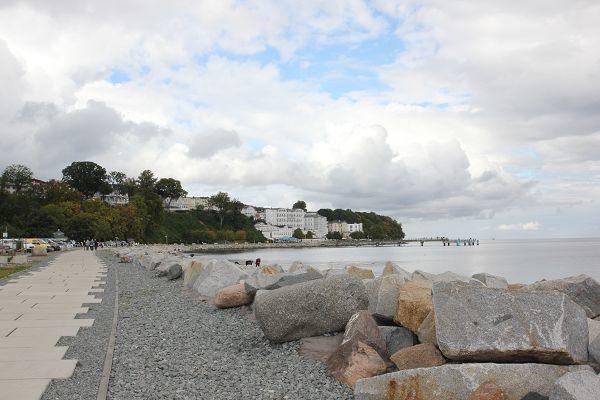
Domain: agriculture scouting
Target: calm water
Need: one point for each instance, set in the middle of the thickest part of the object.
(518, 260)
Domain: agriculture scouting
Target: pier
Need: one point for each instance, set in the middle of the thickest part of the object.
(445, 241)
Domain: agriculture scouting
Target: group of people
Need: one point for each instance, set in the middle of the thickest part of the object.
(90, 244)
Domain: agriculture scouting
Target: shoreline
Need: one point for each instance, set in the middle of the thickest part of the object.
(224, 248)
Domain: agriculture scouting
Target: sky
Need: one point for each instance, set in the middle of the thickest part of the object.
(461, 118)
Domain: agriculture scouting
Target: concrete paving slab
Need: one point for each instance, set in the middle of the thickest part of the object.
(40, 369)
(42, 315)
(43, 332)
(42, 342)
(33, 354)
(9, 316)
(41, 323)
(23, 389)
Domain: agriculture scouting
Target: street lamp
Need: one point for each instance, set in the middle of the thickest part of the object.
(166, 241)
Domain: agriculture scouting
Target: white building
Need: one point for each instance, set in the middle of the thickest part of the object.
(315, 223)
(274, 232)
(344, 228)
(292, 217)
(115, 198)
(186, 203)
(355, 227)
(250, 212)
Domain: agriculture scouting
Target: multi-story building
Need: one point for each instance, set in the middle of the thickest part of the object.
(250, 212)
(272, 232)
(315, 223)
(186, 203)
(344, 228)
(292, 217)
(10, 188)
(115, 198)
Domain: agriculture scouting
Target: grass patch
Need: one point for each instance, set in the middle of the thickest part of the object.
(7, 271)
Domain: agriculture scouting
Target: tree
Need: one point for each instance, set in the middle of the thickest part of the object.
(334, 236)
(357, 235)
(310, 235)
(146, 182)
(300, 205)
(86, 176)
(16, 175)
(298, 234)
(169, 188)
(56, 192)
(224, 205)
(116, 180)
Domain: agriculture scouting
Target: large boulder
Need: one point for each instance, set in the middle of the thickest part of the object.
(319, 347)
(420, 356)
(270, 270)
(580, 385)
(384, 298)
(396, 338)
(362, 273)
(459, 381)
(582, 289)
(191, 273)
(393, 269)
(363, 327)
(310, 308)
(414, 303)
(271, 282)
(354, 360)
(489, 391)
(175, 271)
(475, 323)
(594, 340)
(216, 275)
(492, 281)
(232, 296)
(426, 331)
(443, 277)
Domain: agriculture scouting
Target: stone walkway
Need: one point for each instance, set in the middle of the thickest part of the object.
(38, 308)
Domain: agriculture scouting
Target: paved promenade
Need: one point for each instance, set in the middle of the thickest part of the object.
(36, 310)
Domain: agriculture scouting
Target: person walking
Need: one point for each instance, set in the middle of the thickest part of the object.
(257, 262)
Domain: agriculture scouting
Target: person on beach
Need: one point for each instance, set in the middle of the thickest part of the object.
(257, 262)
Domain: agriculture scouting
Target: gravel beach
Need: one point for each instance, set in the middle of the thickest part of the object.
(171, 345)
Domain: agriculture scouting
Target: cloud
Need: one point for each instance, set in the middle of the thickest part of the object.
(210, 143)
(528, 226)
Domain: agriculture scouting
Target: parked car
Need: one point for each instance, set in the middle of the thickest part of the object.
(30, 243)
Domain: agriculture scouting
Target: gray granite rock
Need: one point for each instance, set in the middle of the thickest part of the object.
(582, 289)
(397, 338)
(594, 340)
(492, 281)
(383, 300)
(310, 308)
(483, 324)
(580, 385)
(443, 277)
(175, 272)
(458, 381)
(271, 282)
(393, 269)
(216, 275)
(426, 332)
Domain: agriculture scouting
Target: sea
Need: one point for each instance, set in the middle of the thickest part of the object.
(519, 261)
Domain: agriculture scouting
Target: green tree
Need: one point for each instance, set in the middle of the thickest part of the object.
(240, 235)
(116, 180)
(146, 183)
(300, 204)
(334, 236)
(224, 206)
(87, 177)
(169, 189)
(357, 235)
(18, 176)
(298, 234)
(57, 192)
(310, 235)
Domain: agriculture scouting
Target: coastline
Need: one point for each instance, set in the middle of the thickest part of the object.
(218, 248)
